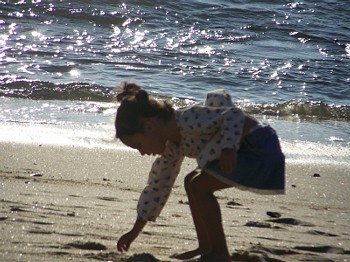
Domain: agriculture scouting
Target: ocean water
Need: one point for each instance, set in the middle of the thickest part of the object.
(285, 62)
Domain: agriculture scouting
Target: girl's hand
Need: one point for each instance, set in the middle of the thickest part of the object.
(228, 159)
(125, 241)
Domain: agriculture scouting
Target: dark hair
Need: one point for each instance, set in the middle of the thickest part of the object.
(135, 106)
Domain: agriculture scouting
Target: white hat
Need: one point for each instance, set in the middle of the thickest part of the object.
(218, 98)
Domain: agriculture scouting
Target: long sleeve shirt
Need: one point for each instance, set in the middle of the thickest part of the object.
(205, 130)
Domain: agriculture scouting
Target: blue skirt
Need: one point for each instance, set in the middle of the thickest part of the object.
(260, 165)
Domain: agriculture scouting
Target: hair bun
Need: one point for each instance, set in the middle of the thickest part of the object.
(142, 98)
(127, 89)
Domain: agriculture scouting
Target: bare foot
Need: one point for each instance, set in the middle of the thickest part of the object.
(188, 254)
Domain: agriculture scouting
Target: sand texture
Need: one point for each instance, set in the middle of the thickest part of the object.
(62, 203)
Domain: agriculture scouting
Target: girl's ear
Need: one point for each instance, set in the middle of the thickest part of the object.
(149, 125)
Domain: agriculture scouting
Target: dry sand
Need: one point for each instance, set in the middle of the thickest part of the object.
(61, 203)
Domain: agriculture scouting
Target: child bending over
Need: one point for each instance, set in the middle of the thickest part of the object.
(231, 149)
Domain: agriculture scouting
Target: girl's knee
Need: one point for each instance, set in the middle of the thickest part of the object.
(197, 182)
(189, 178)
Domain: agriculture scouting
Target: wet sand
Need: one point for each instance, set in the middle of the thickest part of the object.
(61, 203)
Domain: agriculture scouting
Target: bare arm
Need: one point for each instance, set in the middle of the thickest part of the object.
(125, 240)
(228, 159)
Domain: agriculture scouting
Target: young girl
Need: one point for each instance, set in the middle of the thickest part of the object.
(231, 149)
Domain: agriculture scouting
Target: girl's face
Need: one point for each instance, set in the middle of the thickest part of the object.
(146, 143)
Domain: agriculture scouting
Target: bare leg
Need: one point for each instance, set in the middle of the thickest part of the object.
(204, 244)
(203, 187)
(203, 204)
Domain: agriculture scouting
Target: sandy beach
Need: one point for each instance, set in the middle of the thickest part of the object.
(61, 203)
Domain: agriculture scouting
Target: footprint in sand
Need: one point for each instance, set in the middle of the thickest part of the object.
(272, 250)
(320, 233)
(323, 249)
(108, 198)
(17, 209)
(249, 257)
(86, 246)
(258, 224)
(291, 221)
(232, 204)
(273, 214)
(112, 256)
(143, 257)
(40, 231)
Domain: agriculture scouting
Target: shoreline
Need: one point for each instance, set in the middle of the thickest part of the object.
(73, 203)
(102, 137)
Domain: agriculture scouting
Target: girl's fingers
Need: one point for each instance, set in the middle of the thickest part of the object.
(122, 246)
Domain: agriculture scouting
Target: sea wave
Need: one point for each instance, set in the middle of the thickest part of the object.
(23, 88)
(260, 48)
(80, 91)
(301, 108)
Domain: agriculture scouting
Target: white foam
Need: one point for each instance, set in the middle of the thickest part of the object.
(102, 136)
(60, 135)
(315, 152)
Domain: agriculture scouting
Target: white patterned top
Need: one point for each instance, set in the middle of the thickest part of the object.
(205, 131)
